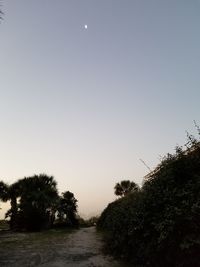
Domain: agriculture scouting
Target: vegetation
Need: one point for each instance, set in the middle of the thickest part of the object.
(35, 203)
(67, 209)
(158, 225)
(3, 191)
(125, 187)
(92, 221)
(36, 196)
(4, 225)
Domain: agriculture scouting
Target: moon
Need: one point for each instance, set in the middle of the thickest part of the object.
(85, 26)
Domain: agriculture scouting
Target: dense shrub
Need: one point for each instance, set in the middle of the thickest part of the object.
(160, 224)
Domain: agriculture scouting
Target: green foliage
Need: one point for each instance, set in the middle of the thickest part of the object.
(159, 225)
(118, 220)
(125, 187)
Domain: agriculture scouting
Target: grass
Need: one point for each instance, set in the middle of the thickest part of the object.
(4, 225)
(11, 239)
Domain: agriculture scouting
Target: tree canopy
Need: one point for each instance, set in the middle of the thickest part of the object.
(67, 208)
(125, 187)
(35, 203)
(3, 191)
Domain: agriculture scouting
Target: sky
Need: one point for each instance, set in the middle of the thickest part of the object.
(85, 105)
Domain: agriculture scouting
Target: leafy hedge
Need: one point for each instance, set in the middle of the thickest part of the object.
(160, 224)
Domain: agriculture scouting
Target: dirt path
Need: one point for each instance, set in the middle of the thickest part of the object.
(77, 249)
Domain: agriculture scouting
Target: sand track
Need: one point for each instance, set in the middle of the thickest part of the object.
(80, 248)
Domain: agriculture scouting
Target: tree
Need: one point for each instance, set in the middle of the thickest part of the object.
(3, 191)
(67, 209)
(14, 191)
(37, 196)
(125, 187)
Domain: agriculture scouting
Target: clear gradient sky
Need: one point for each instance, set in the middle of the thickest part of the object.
(85, 105)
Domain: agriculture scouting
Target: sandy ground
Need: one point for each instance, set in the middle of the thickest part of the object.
(81, 247)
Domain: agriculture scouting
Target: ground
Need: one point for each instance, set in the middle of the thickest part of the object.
(82, 247)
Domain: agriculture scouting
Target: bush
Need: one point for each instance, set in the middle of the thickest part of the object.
(159, 225)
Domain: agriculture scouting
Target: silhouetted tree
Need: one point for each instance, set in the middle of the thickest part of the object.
(14, 192)
(37, 196)
(67, 209)
(125, 187)
(3, 191)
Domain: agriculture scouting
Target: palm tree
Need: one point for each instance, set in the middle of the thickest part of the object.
(3, 191)
(67, 208)
(36, 198)
(125, 187)
(14, 192)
